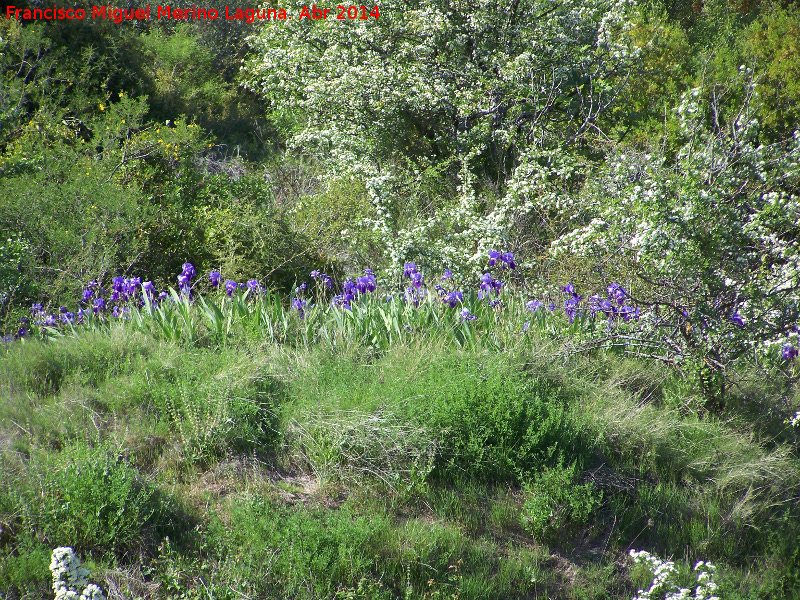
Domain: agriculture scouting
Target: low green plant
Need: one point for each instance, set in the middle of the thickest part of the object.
(556, 504)
(90, 497)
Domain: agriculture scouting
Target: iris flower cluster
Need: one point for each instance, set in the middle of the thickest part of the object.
(185, 279)
(451, 297)
(416, 291)
(351, 289)
(505, 260)
(128, 293)
(614, 306)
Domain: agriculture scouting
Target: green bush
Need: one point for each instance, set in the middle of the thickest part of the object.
(489, 421)
(89, 498)
(496, 424)
(556, 504)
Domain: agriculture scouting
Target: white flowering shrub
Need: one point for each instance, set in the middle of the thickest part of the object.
(472, 89)
(664, 586)
(711, 231)
(69, 577)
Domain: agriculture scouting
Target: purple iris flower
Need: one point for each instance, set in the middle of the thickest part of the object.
(213, 278)
(184, 283)
(571, 307)
(494, 256)
(254, 286)
(99, 305)
(533, 305)
(409, 269)
(230, 287)
(737, 320)
(21, 332)
(148, 288)
(299, 305)
(349, 287)
(343, 300)
(525, 326)
(552, 306)
(366, 283)
(486, 285)
(50, 321)
(617, 292)
(188, 270)
(416, 279)
(788, 352)
(314, 274)
(467, 316)
(628, 312)
(508, 260)
(36, 307)
(87, 295)
(132, 284)
(453, 298)
(447, 274)
(68, 317)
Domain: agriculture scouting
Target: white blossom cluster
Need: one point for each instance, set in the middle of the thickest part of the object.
(69, 577)
(474, 84)
(664, 574)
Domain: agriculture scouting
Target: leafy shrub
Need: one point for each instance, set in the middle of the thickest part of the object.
(495, 423)
(91, 498)
(556, 504)
(245, 233)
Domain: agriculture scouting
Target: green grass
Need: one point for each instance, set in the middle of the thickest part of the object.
(423, 468)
